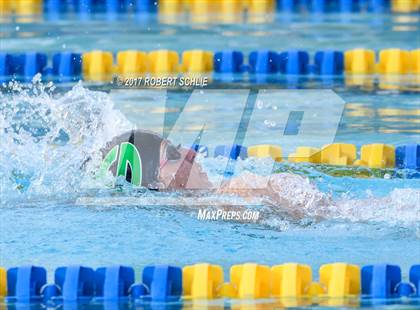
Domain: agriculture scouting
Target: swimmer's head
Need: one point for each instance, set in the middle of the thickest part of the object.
(147, 159)
(180, 170)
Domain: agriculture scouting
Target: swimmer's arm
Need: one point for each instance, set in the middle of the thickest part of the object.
(284, 193)
(247, 184)
(251, 186)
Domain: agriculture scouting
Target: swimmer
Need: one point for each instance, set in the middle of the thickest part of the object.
(166, 167)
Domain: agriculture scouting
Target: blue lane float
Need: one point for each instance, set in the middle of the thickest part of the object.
(294, 62)
(30, 64)
(414, 276)
(101, 6)
(113, 283)
(408, 156)
(380, 281)
(84, 6)
(50, 293)
(67, 66)
(265, 62)
(379, 6)
(116, 6)
(329, 62)
(138, 291)
(201, 149)
(228, 62)
(25, 65)
(164, 282)
(53, 6)
(319, 6)
(24, 283)
(288, 6)
(405, 290)
(325, 6)
(349, 6)
(234, 151)
(76, 283)
(146, 6)
(6, 66)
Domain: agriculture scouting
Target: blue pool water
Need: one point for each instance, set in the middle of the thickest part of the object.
(53, 213)
(281, 32)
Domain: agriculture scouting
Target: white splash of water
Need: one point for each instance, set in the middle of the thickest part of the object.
(47, 137)
(401, 206)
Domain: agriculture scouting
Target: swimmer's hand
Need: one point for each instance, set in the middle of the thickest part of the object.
(283, 192)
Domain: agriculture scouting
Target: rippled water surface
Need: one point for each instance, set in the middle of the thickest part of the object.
(53, 213)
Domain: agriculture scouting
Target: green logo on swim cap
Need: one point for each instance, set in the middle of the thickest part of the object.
(128, 157)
